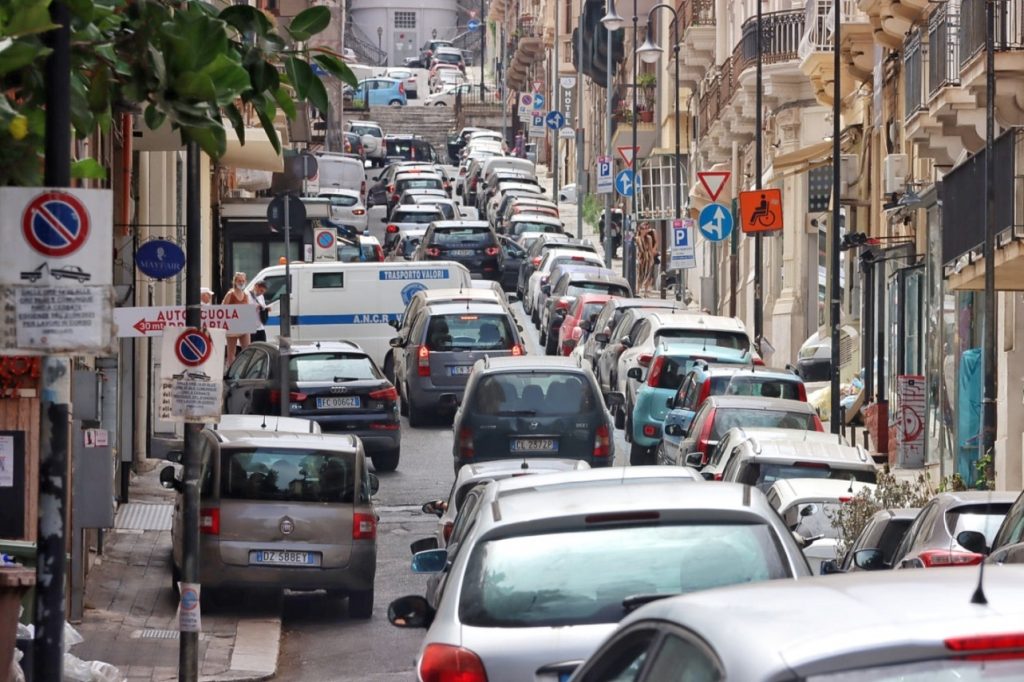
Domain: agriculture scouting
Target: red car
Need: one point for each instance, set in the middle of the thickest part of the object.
(585, 307)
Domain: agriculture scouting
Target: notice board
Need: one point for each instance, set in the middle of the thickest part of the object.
(12, 485)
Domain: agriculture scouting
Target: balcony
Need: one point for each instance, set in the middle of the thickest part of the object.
(892, 20)
(526, 48)
(817, 45)
(697, 40)
(1009, 56)
(622, 118)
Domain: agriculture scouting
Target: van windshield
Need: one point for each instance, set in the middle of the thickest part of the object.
(275, 288)
(469, 331)
(287, 475)
(527, 393)
(331, 367)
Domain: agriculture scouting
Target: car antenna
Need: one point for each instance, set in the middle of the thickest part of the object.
(264, 424)
(525, 465)
(979, 591)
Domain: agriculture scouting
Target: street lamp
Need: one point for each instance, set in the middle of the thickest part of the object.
(612, 22)
(380, 34)
(650, 52)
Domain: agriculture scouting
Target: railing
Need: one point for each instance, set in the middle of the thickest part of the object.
(913, 74)
(1009, 28)
(695, 13)
(818, 28)
(364, 47)
(943, 48)
(780, 38)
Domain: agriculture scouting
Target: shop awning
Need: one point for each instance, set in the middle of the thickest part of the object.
(256, 154)
(801, 160)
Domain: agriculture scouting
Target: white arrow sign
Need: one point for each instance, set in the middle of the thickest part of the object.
(151, 321)
(715, 226)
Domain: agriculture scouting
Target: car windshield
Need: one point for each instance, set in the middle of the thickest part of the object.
(372, 131)
(534, 394)
(275, 288)
(286, 475)
(418, 217)
(331, 367)
(764, 474)
(699, 337)
(751, 384)
(944, 670)
(727, 418)
(577, 288)
(469, 331)
(463, 235)
(984, 518)
(548, 580)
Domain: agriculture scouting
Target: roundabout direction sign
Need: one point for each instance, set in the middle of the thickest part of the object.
(715, 222)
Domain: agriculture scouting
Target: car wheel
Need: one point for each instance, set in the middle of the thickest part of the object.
(628, 427)
(639, 455)
(387, 460)
(440, 104)
(403, 404)
(416, 415)
(360, 604)
(395, 103)
(543, 338)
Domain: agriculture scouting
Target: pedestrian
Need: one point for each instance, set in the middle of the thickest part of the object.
(206, 296)
(259, 288)
(236, 296)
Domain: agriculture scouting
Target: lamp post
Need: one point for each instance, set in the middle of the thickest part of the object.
(612, 22)
(758, 173)
(650, 51)
(834, 263)
(579, 122)
(988, 361)
(380, 35)
(629, 245)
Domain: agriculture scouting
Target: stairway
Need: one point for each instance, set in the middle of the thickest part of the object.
(431, 123)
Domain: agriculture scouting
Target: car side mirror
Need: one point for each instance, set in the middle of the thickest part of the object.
(635, 373)
(546, 289)
(614, 399)
(626, 343)
(430, 561)
(586, 326)
(830, 567)
(169, 479)
(601, 337)
(869, 560)
(396, 342)
(435, 507)
(374, 484)
(423, 545)
(397, 324)
(410, 612)
(973, 541)
(695, 460)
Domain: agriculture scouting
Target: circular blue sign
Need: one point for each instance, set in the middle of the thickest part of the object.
(160, 259)
(715, 222)
(409, 290)
(555, 120)
(473, 24)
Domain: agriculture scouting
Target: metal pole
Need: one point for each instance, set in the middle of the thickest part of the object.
(734, 239)
(483, 45)
(868, 317)
(284, 342)
(188, 643)
(758, 172)
(881, 399)
(834, 263)
(608, 149)
(988, 402)
(579, 123)
(555, 106)
(626, 268)
(48, 645)
(677, 170)
(503, 88)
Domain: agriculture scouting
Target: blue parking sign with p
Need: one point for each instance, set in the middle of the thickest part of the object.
(682, 236)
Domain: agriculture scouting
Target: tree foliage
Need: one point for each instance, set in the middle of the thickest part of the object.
(186, 63)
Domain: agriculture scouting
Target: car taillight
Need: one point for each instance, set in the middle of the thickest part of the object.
(423, 361)
(644, 359)
(401, 88)
(293, 396)
(702, 439)
(395, 197)
(391, 229)
(378, 253)
(650, 430)
(448, 663)
(492, 250)
(358, 211)
(446, 530)
(433, 251)
(389, 393)
(561, 304)
(758, 362)
(988, 647)
(655, 374)
(933, 558)
(385, 426)
(517, 350)
(705, 391)
(536, 261)
(602, 441)
(391, 188)
(818, 426)
(209, 521)
(801, 392)
(466, 449)
(364, 526)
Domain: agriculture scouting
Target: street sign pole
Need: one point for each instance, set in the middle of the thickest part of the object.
(285, 335)
(48, 643)
(608, 242)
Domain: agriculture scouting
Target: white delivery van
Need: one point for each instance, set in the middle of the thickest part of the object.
(337, 171)
(334, 301)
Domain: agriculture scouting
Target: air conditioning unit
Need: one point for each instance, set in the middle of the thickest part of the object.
(894, 173)
(924, 170)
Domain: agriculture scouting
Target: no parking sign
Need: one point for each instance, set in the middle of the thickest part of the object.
(191, 374)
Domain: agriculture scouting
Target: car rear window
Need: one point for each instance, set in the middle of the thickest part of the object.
(286, 475)
(342, 200)
(332, 367)
(367, 130)
(525, 226)
(700, 337)
(463, 235)
(534, 394)
(469, 331)
(984, 518)
(448, 58)
(581, 260)
(548, 580)
(417, 217)
(754, 385)
(586, 287)
(428, 182)
(727, 418)
(408, 149)
(764, 474)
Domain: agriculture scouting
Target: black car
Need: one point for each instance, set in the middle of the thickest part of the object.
(533, 407)
(470, 242)
(510, 259)
(408, 148)
(334, 383)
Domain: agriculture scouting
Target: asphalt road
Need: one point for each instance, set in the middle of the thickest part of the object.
(319, 642)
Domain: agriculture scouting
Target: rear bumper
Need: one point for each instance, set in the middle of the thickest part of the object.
(594, 462)
(357, 575)
(374, 440)
(427, 396)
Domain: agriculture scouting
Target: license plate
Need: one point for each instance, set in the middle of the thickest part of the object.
(278, 557)
(534, 445)
(337, 402)
(460, 370)
(461, 252)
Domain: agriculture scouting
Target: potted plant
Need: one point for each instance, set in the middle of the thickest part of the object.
(647, 82)
(645, 114)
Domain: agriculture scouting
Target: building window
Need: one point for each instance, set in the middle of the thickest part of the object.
(405, 20)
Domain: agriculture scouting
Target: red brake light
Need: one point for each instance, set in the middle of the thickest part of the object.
(401, 87)
(491, 251)
(466, 449)
(447, 663)
(934, 558)
(293, 396)
(653, 376)
(378, 253)
(602, 441)
(988, 647)
(446, 530)
(536, 261)
(758, 362)
(433, 251)
(818, 426)
(423, 361)
(391, 188)
(705, 433)
(705, 391)
(358, 211)
(650, 430)
(389, 393)
(801, 392)
(209, 521)
(364, 526)
(517, 350)
(645, 359)
(579, 258)
(391, 229)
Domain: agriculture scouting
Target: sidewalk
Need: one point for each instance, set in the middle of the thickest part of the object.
(130, 616)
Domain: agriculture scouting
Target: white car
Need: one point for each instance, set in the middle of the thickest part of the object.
(347, 207)
(372, 136)
(553, 257)
(407, 76)
(446, 76)
(446, 96)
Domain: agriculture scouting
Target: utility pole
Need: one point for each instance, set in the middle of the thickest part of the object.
(608, 241)
(483, 46)
(988, 402)
(580, 171)
(629, 245)
(758, 173)
(54, 408)
(555, 106)
(834, 263)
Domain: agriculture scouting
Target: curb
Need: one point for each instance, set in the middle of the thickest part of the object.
(254, 655)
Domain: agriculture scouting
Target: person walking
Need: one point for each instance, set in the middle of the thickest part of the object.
(236, 296)
(259, 289)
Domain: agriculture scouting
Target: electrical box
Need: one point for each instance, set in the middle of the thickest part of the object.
(894, 173)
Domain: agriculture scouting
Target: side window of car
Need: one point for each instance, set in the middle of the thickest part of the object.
(1012, 530)
(692, 391)
(623, 659)
(682, 658)
(923, 520)
(464, 520)
(237, 368)
(639, 332)
(259, 368)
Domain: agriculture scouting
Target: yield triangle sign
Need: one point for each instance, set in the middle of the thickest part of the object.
(627, 154)
(713, 182)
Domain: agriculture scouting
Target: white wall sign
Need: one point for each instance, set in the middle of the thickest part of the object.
(191, 374)
(6, 461)
(151, 320)
(42, 319)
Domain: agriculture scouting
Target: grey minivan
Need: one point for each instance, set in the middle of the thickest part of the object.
(283, 511)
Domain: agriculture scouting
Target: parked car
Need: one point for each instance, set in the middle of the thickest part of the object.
(740, 439)
(372, 136)
(469, 242)
(408, 148)
(578, 320)
(1008, 545)
(470, 92)
(509, 261)
(381, 190)
(380, 92)
(533, 296)
(335, 383)
(445, 54)
(457, 140)
(409, 217)
(954, 529)
(427, 51)
(535, 255)
(521, 594)
(408, 77)
(564, 291)
(875, 546)
(532, 222)
(347, 207)
(517, 407)
(432, 363)
(608, 319)
(364, 249)
(353, 145)
(282, 511)
(889, 626)
(405, 247)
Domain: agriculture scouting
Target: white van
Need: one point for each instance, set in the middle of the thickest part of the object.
(337, 171)
(334, 301)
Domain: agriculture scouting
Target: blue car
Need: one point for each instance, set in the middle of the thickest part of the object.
(668, 367)
(705, 380)
(381, 92)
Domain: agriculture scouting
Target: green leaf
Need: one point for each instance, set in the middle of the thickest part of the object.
(309, 22)
(154, 117)
(318, 96)
(30, 18)
(81, 116)
(300, 75)
(228, 77)
(337, 68)
(88, 169)
(268, 128)
(195, 86)
(235, 116)
(17, 54)
(246, 19)
(99, 89)
(262, 74)
(211, 138)
(284, 101)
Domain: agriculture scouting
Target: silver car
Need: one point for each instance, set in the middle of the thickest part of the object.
(894, 626)
(283, 511)
(546, 571)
